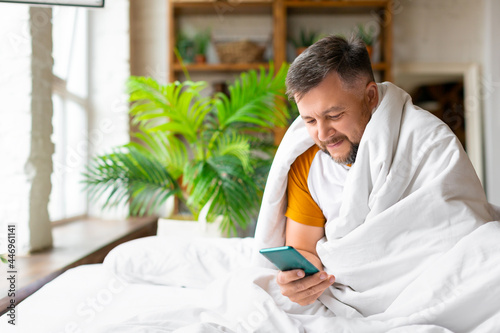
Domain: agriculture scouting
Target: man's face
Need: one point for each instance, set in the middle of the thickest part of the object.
(336, 116)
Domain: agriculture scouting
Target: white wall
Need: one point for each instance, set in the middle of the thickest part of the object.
(438, 31)
(491, 97)
(109, 69)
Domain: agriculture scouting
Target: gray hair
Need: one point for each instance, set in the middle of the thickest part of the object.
(349, 59)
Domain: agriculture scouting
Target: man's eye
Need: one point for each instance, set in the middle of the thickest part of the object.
(335, 117)
(311, 121)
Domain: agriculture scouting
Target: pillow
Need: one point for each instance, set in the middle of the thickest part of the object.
(178, 261)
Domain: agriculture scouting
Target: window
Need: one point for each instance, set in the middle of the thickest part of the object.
(71, 112)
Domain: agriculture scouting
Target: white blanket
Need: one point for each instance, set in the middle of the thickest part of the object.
(412, 250)
(411, 196)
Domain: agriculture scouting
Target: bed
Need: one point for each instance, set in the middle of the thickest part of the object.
(415, 248)
(166, 284)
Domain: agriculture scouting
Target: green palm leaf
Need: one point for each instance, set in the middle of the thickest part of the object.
(255, 99)
(234, 144)
(232, 190)
(130, 175)
(168, 149)
(177, 107)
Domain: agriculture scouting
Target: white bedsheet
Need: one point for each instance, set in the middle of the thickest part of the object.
(87, 297)
(233, 295)
(140, 278)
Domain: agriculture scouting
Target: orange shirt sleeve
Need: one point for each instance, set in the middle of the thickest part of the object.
(301, 206)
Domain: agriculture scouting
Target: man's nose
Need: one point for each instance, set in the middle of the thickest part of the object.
(325, 131)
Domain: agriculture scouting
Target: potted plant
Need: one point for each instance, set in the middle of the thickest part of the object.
(201, 42)
(201, 149)
(367, 36)
(304, 40)
(185, 47)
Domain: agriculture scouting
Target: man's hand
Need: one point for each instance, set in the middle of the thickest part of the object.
(303, 290)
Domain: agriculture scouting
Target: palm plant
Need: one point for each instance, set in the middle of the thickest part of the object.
(201, 149)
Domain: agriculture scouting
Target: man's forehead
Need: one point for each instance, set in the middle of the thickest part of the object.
(331, 79)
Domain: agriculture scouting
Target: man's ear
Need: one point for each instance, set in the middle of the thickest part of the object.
(371, 95)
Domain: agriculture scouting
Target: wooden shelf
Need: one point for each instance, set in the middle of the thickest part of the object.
(221, 7)
(220, 67)
(229, 3)
(338, 4)
(331, 7)
(280, 11)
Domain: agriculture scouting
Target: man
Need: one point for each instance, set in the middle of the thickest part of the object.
(336, 94)
(335, 91)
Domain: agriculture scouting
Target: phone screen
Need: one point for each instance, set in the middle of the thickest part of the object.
(287, 258)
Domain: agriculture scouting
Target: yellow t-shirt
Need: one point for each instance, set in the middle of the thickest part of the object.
(301, 206)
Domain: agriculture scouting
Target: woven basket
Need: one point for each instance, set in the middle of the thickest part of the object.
(239, 52)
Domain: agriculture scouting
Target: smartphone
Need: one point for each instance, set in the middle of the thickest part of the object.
(287, 258)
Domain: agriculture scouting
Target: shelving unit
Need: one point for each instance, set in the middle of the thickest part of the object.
(280, 12)
(218, 10)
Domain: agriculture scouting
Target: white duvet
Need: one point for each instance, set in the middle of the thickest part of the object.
(413, 249)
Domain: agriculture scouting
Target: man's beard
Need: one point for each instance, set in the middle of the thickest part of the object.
(351, 156)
